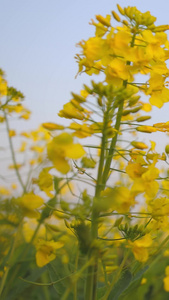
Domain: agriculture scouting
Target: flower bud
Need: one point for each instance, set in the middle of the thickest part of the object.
(167, 149)
(103, 20)
(143, 118)
(161, 28)
(120, 9)
(116, 16)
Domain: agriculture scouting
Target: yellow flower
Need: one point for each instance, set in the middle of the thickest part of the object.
(12, 133)
(119, 199)
(3, 87)
(4, 191)
(117, 71)
(135, 170)
(69, 111)
(46, 251)
(29, 228)
(45, 181)
(29, 203)
(154, 42)
(95, 48)
(166, 283)
(81, 131)
(23, 147)
(140, 248)
(61, 148)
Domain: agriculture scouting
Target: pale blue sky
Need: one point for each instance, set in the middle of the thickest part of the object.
(38, 39)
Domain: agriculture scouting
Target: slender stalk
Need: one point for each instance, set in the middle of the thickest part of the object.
(13, 154)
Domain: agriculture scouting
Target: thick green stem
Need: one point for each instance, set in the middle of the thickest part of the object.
(117, 128)
(112, 146)
(103, 174)
(91, 284)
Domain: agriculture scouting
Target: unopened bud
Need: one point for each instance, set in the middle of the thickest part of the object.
(143, 118)
(161, 28)
(167, 149)
(103, 20)
(125, 22)
(78, 98)
(120, 9)
(139, 145)
(116, 16)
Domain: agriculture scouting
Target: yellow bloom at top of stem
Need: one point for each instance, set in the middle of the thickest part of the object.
(94, 48)
(154, 43)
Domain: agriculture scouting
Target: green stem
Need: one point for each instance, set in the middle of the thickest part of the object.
(91, 284)
(112, 146)
(117, 128)
(13, 154)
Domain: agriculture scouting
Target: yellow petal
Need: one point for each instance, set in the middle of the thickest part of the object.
(31, 201)
(75, 151)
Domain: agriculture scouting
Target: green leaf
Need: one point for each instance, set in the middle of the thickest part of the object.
(20, 285)
(59, 272)
(121, 285)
